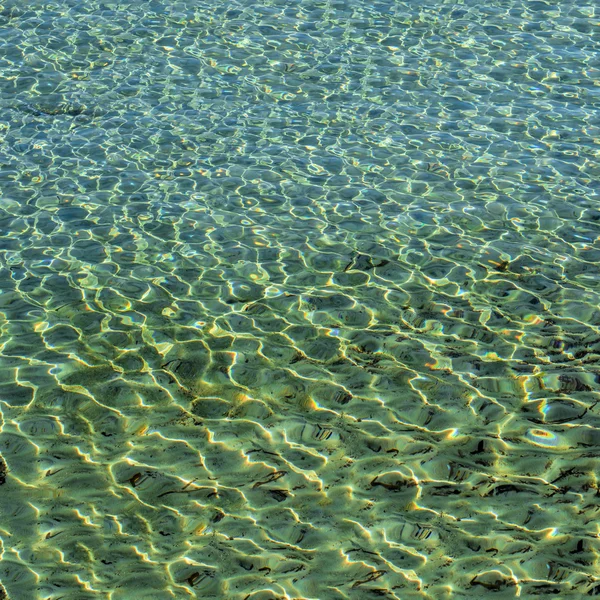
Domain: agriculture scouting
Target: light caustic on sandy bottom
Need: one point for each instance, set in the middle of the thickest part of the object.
(298, 301)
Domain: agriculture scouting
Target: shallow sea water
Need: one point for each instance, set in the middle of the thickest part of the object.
(299, 299)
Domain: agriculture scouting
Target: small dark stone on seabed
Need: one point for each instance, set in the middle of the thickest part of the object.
(279, 495)
(342, 397)
(3, 471)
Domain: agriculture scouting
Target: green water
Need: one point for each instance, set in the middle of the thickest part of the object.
(299, 299)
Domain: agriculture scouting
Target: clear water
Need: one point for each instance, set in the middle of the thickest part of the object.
(300, 299)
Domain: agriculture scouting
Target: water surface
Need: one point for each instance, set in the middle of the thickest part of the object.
(299, 299)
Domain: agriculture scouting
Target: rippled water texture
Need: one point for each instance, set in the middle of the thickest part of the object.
(299, 299)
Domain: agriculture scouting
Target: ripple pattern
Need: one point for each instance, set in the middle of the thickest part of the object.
(299, 300)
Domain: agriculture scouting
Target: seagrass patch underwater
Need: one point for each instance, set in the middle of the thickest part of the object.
(299, 300)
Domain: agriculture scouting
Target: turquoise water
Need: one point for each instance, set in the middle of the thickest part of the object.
(299, 299)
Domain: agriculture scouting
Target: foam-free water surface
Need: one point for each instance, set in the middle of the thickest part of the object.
(299, 299)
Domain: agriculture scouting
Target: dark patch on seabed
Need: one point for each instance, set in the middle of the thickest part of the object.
(299, 300)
